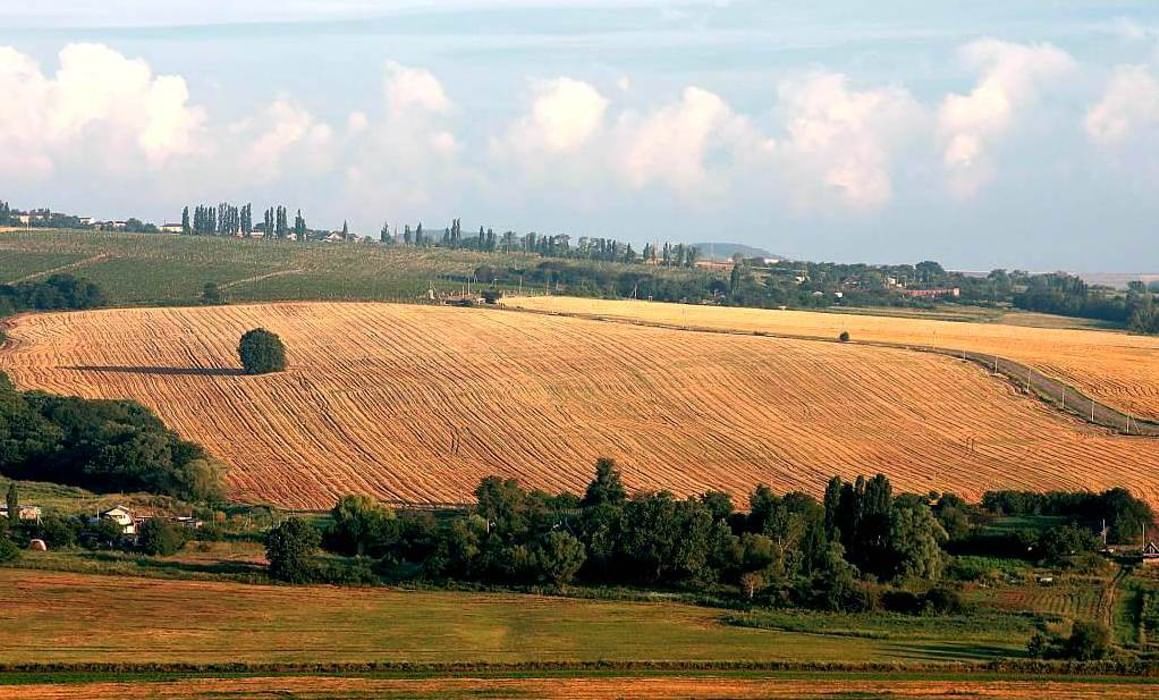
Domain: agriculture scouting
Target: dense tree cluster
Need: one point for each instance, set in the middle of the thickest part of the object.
(99, 445)
(54, 293)
(787, 547)
(1125, 515)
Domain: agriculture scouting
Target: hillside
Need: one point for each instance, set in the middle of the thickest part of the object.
(1115, 368)
(718, 250)
(417, 403)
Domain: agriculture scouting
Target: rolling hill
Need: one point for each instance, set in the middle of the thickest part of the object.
(417, 403)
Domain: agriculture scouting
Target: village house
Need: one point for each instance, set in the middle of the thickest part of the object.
(172, 228)
(121, 516)
(28, 513)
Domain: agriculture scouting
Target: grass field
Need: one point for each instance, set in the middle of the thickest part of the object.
(137, 269)
(201, 622)
(417, 403)
(691, 686)
(160, 269)
(1115, 368)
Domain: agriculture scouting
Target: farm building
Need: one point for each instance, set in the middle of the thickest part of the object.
(30, 513)
(188, 522)
(172, 228)
(1151, 554)
(932, 293)
(121, 516)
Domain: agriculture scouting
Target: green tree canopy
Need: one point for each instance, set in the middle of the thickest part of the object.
(607, 487)
(262, 352)
(159, 537)
(290, 549)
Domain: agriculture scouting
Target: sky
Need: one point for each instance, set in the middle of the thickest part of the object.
(982, 134)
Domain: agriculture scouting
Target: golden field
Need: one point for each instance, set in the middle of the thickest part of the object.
(417, 403)
(1117, 369)
(707, 686)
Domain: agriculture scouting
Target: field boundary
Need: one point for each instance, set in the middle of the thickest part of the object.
(1031, 667)
(259, 278)
(62, 268)
(1059, 395)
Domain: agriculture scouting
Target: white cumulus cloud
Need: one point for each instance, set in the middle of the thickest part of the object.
(99, 105)
(1011, 77)
(842, 139)
(284, 136)
(677, 145)
(414, 89)
(1129, 105)
(565, 113)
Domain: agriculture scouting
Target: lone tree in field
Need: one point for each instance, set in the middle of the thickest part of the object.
(262, 352)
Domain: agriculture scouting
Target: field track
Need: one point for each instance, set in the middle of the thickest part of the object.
(417, 403)
(1116, 369)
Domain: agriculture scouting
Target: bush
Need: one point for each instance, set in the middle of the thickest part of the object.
(290, 548)
(58, 531)
(211, 295)
(261, 352)
(943, 600)
(160, 537)
(844, 337)
(1088, 641)
(8, 550)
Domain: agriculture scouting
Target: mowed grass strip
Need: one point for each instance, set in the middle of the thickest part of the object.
(71, 618)
(418, 403)
(1117, 369)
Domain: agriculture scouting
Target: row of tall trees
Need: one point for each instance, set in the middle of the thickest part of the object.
(226, 219)
(561, 246)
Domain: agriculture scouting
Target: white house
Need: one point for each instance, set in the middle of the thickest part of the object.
(121, 516)
(172, 228)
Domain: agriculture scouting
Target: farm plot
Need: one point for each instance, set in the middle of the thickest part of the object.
(1077, 601)
(417, 403)
(1117, 369)
(651, 687)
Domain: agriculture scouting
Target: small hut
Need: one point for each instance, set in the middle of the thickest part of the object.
(1151, 554)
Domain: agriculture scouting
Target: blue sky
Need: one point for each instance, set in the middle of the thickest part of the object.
(983, 134)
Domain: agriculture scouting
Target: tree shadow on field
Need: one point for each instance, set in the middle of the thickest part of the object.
(164, 371)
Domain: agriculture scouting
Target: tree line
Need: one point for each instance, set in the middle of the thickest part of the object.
(860, 547)
(54, 293)
(227, 219)
(101, 445)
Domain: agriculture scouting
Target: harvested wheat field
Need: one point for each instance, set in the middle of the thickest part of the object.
(417, 403)
(1117, 369)
(640, 688)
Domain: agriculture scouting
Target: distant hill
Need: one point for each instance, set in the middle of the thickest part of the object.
(724, 251)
